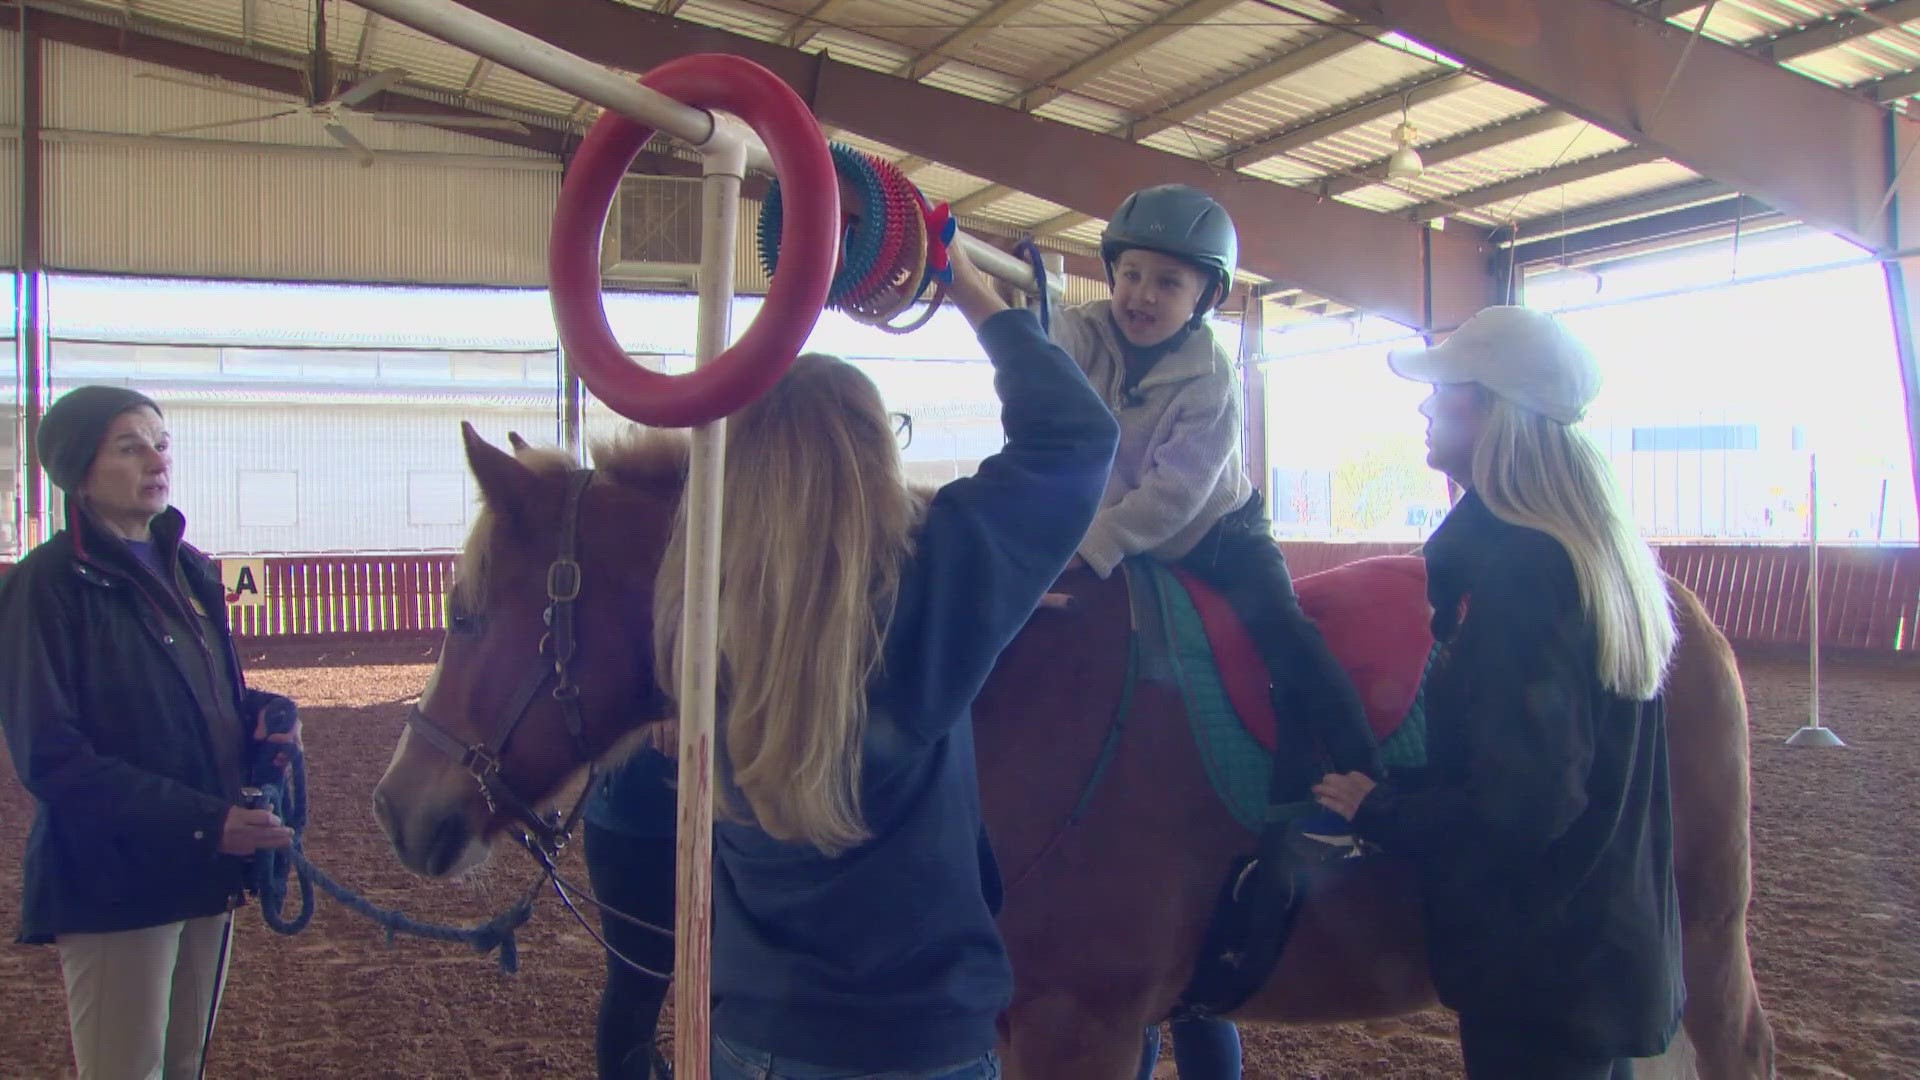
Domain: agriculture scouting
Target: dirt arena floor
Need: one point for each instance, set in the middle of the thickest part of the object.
(1835, 936)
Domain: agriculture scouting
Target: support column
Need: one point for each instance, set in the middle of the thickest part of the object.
(1903, 296)
(1253, 383)
(1903, 302)
(30, 296)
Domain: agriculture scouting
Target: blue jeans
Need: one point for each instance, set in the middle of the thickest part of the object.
(732, 1062)
(1203, 1049)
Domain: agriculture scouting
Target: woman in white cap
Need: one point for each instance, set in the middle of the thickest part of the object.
(129, 722)
(1542, 830)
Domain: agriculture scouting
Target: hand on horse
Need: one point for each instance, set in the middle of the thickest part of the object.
(247, 831)
(1063, 601)
(1343, 793)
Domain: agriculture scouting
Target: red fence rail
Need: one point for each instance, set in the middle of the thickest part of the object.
(1757, 595)
(1869, 597)
(365, 597)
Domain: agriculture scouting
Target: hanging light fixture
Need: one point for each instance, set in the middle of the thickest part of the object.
(1405, 163)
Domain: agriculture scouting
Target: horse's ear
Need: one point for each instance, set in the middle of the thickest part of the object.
(519, 444)
(505, 483)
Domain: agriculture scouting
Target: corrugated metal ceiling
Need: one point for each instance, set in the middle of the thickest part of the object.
(1329, 121)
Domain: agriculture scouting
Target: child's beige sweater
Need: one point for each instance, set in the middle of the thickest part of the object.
(1179, 467)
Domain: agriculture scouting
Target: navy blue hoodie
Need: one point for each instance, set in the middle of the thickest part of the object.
(887, 957)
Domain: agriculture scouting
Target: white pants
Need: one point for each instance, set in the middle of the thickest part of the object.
(140, 1003)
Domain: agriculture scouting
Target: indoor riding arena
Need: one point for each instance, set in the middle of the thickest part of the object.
(323, 234)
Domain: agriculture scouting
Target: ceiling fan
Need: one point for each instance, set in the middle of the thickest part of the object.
(331, 103)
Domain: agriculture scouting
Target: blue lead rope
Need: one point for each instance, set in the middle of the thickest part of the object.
(1032, 254)
(284, 791)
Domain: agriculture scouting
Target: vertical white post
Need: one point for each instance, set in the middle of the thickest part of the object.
(1813, 588)
(724, 166)
(1813, 734)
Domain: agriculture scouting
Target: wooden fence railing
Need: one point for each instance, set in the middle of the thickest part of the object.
(368, 597)
(1869, 597)
(1757, 595)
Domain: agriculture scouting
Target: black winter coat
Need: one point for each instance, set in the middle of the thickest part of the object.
(108, 734)
(1543, 829)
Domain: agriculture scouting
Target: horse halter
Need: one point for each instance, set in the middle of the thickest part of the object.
(542, 834)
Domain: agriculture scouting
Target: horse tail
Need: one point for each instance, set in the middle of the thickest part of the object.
(1707, 738)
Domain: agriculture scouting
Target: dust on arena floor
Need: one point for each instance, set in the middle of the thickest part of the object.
(1836, 942)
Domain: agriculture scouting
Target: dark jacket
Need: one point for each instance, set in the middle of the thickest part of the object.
(1543, 831)
(886, 957)
(108, 733)
(637, 798)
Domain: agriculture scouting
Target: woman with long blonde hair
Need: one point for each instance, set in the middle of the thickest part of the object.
(1543, 829)
(854, 888)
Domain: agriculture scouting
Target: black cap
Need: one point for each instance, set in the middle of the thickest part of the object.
(71, 431)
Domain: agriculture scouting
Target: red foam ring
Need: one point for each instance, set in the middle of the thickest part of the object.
(809, 244)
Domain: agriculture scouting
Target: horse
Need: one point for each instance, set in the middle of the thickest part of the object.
(1106, 903)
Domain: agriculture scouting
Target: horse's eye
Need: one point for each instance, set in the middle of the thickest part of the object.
(462, 623)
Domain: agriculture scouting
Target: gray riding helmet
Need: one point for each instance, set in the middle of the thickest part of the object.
(1181, 221)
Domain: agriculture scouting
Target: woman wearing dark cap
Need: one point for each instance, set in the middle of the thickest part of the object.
(129, 722)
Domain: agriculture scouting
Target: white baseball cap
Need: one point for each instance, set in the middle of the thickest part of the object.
(1521, 354)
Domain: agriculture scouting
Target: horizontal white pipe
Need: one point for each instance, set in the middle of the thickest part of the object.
(537, 59)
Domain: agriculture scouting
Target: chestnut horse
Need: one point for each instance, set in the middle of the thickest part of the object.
(1103, 919)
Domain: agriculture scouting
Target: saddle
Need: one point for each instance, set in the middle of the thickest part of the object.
(1374, 616)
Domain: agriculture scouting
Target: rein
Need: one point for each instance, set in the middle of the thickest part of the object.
(286, 795)
(1109, 747)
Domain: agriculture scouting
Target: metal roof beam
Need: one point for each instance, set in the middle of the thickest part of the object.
(1060, 223)
(481, 69)
(1721, 113)
(977, 200)
(1583, 246)
(1893, 88)
(817, 18)
(1328, 46)
(1679, 197)
(1368, 260)
(1180, 19)
(1838, 30)
(263, 68)
(963, 38)
(1425, 88)
(1557, 176)
(1084, 71)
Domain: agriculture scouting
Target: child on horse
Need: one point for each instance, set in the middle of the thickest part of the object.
(1179, 493)
(1179, 490)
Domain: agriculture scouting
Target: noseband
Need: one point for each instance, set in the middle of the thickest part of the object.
(542, 834)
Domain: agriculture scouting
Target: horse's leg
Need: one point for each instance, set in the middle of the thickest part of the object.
(1057, 1035)
(1707, 744)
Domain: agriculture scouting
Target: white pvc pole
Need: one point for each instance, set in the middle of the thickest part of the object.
(1814, 733)
(1813, 589)
(537, 59)
(699, 629)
